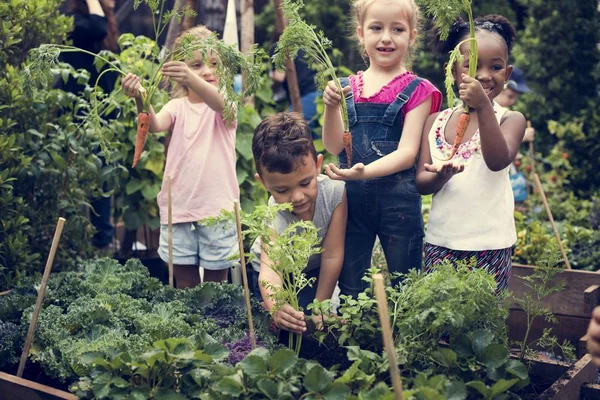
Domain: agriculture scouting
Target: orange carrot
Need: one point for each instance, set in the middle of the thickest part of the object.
(140, 140)
(461, 128)
(348, 147)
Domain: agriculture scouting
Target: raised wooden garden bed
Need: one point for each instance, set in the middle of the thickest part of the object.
(14, 387)
(572, 307)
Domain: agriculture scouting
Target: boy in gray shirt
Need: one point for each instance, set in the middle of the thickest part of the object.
(289, 168)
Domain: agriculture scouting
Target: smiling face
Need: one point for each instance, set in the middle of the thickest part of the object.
(298, 187)
(386, 33)
(493, 70)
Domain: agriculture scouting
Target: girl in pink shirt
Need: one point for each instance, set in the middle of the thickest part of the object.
(201, 163)
(387, 108)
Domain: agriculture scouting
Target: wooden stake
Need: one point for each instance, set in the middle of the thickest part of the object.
(538, 184)
(238, 222)
(386, 332)
(290, 68)
(170, 229)
(531, 152)
(40, 297)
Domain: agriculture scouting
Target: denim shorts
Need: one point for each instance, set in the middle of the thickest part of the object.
(195, 244)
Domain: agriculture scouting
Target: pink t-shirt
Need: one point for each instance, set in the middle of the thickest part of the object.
(387, 94)
(201, 163)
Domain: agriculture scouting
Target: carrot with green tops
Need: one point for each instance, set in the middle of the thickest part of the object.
(143, 126)
(461, 128)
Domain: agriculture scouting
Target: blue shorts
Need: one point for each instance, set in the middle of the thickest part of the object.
(195, 244)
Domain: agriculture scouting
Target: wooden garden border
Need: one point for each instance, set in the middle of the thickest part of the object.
(24, 389)
(572, 307)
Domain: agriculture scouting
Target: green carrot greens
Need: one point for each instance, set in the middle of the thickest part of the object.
(298, 35)
(444, 14)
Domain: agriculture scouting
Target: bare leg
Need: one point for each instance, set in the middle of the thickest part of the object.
(186, 276)
(215, 276)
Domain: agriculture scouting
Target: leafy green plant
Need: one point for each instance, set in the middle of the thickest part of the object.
(289, 253)
(44, 157)
(424, 308)
(542, 283)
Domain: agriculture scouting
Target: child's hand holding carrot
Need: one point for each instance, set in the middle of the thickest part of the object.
(472, 93)
(445, 168)
(331, 95)
(131, 86)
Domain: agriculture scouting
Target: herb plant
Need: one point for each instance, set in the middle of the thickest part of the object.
(298, 35)
(542, 283)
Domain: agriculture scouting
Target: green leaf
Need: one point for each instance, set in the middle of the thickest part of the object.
(317, 379)
(154, 164)
(282, 361)
(151, 191)
(269, 388)
(517, 368)
(243, 144)
(494, 355)
(445, 357)
(58, 160)
(133, 185)
(336, 391)
(456, 391)
(90, 357)
(463, 346)
(254, 366)
(230, 385)
(480, 387)
(481, 340)
(501, 386)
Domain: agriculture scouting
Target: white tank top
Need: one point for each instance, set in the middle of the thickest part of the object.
(474, 210)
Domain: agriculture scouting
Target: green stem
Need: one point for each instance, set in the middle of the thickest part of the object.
(71, 49)
(472, 51)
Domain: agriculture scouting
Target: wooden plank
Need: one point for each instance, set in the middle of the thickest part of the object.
(568, 327)
(18, 388)
(582, 348)
(570, 301)
(590, 391)
(568, 386)
(591, 298)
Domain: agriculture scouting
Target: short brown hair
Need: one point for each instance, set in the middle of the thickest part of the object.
(281, 141)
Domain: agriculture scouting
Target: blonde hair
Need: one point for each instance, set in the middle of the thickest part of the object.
(359, 12)
(199, 32)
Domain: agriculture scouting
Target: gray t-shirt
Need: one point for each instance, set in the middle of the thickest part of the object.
(329, 196)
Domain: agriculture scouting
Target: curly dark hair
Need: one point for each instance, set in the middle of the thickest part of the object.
(460, 31)
(281, 141)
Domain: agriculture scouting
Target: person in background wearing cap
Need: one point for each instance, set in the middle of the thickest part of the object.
(509, 96)
(512, 90)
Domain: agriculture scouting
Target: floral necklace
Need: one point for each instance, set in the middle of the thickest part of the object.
(466, 150)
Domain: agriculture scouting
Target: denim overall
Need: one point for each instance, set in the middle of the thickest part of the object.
(388, 207)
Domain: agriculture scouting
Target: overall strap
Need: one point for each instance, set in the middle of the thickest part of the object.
(400, 101)
(349, 102)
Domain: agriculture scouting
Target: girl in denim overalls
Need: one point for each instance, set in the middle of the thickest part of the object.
(387, 108)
